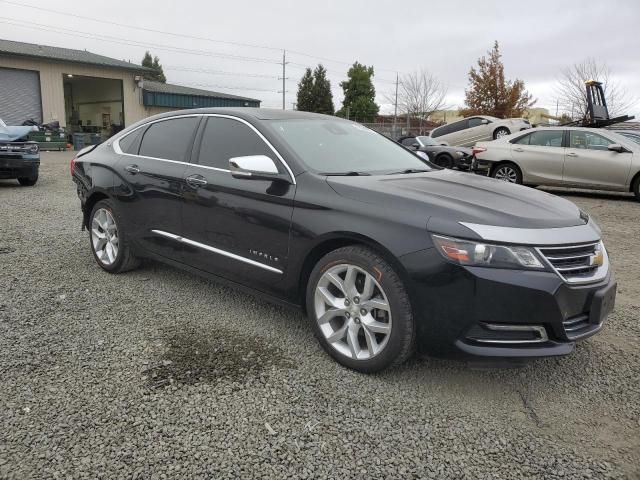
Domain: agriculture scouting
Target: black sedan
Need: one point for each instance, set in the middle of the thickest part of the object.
(384, 253)
(439, 153)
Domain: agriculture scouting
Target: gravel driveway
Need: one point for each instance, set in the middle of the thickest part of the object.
(160, 374)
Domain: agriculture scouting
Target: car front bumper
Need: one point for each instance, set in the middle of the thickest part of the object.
(23, 166)
(488, 312)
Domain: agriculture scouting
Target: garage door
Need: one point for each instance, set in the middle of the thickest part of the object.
(19, 96)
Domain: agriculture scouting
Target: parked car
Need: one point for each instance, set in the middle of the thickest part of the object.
(439, 153)
(466, 132)
(384, 253)
(633, 135)
(19, 158)
(567, 156)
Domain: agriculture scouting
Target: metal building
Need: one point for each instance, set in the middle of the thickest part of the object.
(87, 92)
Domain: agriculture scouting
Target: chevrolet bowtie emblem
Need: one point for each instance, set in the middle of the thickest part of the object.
(597, 259)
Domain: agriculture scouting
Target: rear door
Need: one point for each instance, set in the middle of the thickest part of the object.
(540, 155)
(151, 171)
(236, 228)
(590, 163)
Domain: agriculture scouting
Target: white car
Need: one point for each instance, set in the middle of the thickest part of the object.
(468, 131)
(565, 156)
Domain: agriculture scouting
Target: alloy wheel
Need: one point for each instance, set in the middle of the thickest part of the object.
(506, 174)
(353, 312)
(501, 133)
(104, 236)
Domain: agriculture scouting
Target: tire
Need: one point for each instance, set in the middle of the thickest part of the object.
(444, 160)
(501, 132)
(105, 227)
(508, 172)
(28, 181)
(635, 188)
(385, 335)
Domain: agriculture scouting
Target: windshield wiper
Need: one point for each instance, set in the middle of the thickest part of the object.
(345, 174)
(409, 170)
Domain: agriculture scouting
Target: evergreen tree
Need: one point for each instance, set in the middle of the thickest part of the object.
(304, 101)
(359, 94)
(490, 94)
(322, 96)
(157, 75)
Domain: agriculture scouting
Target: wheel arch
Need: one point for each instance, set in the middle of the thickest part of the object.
(634, 179)
(337, 240)
(92, 199)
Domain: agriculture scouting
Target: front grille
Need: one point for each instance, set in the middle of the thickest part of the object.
(575, 263)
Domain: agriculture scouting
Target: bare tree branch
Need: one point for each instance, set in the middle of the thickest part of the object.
(571, 91)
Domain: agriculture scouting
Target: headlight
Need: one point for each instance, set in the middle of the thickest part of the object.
(466, 252)
(459, 153)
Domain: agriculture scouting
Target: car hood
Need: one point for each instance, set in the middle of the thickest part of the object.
(460, 197)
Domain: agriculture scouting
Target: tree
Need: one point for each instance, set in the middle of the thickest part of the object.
(157, 75)
(490, 94)
(359, 94)
(304, 100)
(420, 94)
(314, 92)
(322, 91)
(572, 93)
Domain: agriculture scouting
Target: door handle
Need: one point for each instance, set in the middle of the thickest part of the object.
(518, 149)
(133, 169)
(572, 154)
(196, 181)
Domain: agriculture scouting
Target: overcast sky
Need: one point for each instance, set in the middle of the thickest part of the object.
(537, 39)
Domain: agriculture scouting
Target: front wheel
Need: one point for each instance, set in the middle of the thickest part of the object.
(360, 310)
(109, 242)
(507, 172)
(28, 181)
(444, 160)
(501, 132)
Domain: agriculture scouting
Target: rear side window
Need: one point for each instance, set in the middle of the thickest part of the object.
(546, 138)
(523, 140)
(131, 143)
(449, 128)
(224, 138)
(169, 139)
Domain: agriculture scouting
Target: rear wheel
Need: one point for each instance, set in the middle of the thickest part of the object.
(501, 132)
(28, 181)
(360, 310)
(109, 242)
(507, 172)
(444, 160)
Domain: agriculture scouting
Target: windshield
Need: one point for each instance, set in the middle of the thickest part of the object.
(427, 141)
(635, 138)
(335, 147)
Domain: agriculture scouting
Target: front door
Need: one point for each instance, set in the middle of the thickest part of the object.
(236, 228)
(151, 172)
(589, 162)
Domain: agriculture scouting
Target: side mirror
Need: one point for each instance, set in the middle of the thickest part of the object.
(616, 147)
(484, 121)
(256, 167)
(444, 144)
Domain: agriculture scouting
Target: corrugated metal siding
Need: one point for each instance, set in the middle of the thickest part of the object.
(19, 96)
(172, 100)
(52, 90)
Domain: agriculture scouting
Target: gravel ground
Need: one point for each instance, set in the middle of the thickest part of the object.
(161, 374)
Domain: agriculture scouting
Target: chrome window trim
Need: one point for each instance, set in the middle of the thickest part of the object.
(209, 248)
(118, 150)
(537, 237)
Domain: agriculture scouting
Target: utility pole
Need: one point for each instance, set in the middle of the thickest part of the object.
(395, 111)
(284, 78)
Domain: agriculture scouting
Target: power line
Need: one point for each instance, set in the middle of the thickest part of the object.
(182, 35)
(235, 87)
(219, 72)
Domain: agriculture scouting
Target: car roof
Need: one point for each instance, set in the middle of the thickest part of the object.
(251, 113)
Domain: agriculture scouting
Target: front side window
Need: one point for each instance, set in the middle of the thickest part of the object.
(588, 140)
(169, 139)
(427, 141)
(224, 138)
(546, 138)
(339, 146)
(475, 122)
(408, 141)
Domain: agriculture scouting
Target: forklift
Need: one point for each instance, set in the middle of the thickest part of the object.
(597, 115)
